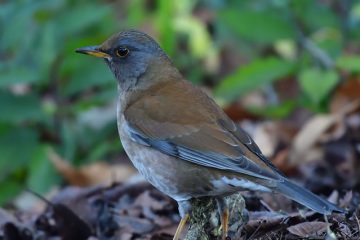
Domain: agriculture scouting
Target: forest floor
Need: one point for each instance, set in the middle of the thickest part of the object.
(320, 152)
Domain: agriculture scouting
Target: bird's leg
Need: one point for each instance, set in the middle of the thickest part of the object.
(225, 223)
(224, 213)
(184, 210)
(181, 226)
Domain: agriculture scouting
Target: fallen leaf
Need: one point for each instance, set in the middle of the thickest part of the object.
(145, 200)
(267, 138)
(69, 225)
(340, 155)
(280, 160)
(347, 92)
(6, 217)
(237, 112)
(11, 232)
(79, 201)
(346, 200)
(135, 225)
(313, 130)
(93, 174)
(344, 230)
(308, 229)
(334, 197)
(105, 218)
(123, 235)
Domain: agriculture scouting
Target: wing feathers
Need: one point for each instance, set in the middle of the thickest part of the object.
(190, 126)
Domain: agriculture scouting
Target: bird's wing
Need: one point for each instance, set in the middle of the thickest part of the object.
(180, 120)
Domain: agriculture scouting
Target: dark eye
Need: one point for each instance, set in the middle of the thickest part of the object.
(121, 52)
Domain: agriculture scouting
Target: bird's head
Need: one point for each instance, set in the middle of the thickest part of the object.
(131, 55)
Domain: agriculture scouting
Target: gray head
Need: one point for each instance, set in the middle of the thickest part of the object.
(129, 54)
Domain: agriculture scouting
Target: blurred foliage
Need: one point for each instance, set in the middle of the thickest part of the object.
(52, 98)
(261, 71)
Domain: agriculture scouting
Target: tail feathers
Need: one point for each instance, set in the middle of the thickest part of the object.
(307, 198)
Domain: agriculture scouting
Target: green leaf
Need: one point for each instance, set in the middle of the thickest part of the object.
(199, 39)
(315, 15)
(349, 63)
(78, 18)
(16, 109)
(47, 49)
(264, 26)
(9, 189)
(275, 111)
(40, 168)
(252, 76)
(97, 75)
(16, 147)
(69, 136)
(317, 83)
(18, 22)
(17, 75)
(104, 96)
(136, 13)
(165, 26)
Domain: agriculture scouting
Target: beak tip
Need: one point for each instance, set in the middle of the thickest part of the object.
(92, 51)
(82, 50)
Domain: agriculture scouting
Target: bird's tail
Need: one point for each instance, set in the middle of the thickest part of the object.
(307, 198)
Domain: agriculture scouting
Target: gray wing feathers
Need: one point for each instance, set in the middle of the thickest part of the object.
(239, 163)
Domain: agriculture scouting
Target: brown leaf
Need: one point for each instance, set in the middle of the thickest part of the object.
(93, 174)
(266, 219)
(346, 200)
(266, 136)
(166, 233)
(135, 225)
(287, 88)
(280, 160)
(237, 112)
(314, 130)
(79, 201)
(334, 197)
(145, 200)
(347, 92)
(163, 221)
(307, 229)
(69, 225)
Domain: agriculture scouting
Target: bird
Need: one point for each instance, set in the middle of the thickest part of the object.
(179, 139)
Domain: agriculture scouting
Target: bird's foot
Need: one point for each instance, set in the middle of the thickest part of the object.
(233, 215)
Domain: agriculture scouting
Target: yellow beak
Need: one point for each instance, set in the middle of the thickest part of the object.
(92, 51)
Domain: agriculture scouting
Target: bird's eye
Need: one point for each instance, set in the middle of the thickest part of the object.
(121, 52)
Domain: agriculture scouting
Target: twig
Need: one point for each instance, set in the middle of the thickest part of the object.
(317, 53)
(358, 223)
(329, 234)
(39, 196)
(266, 205)
(256, 230)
